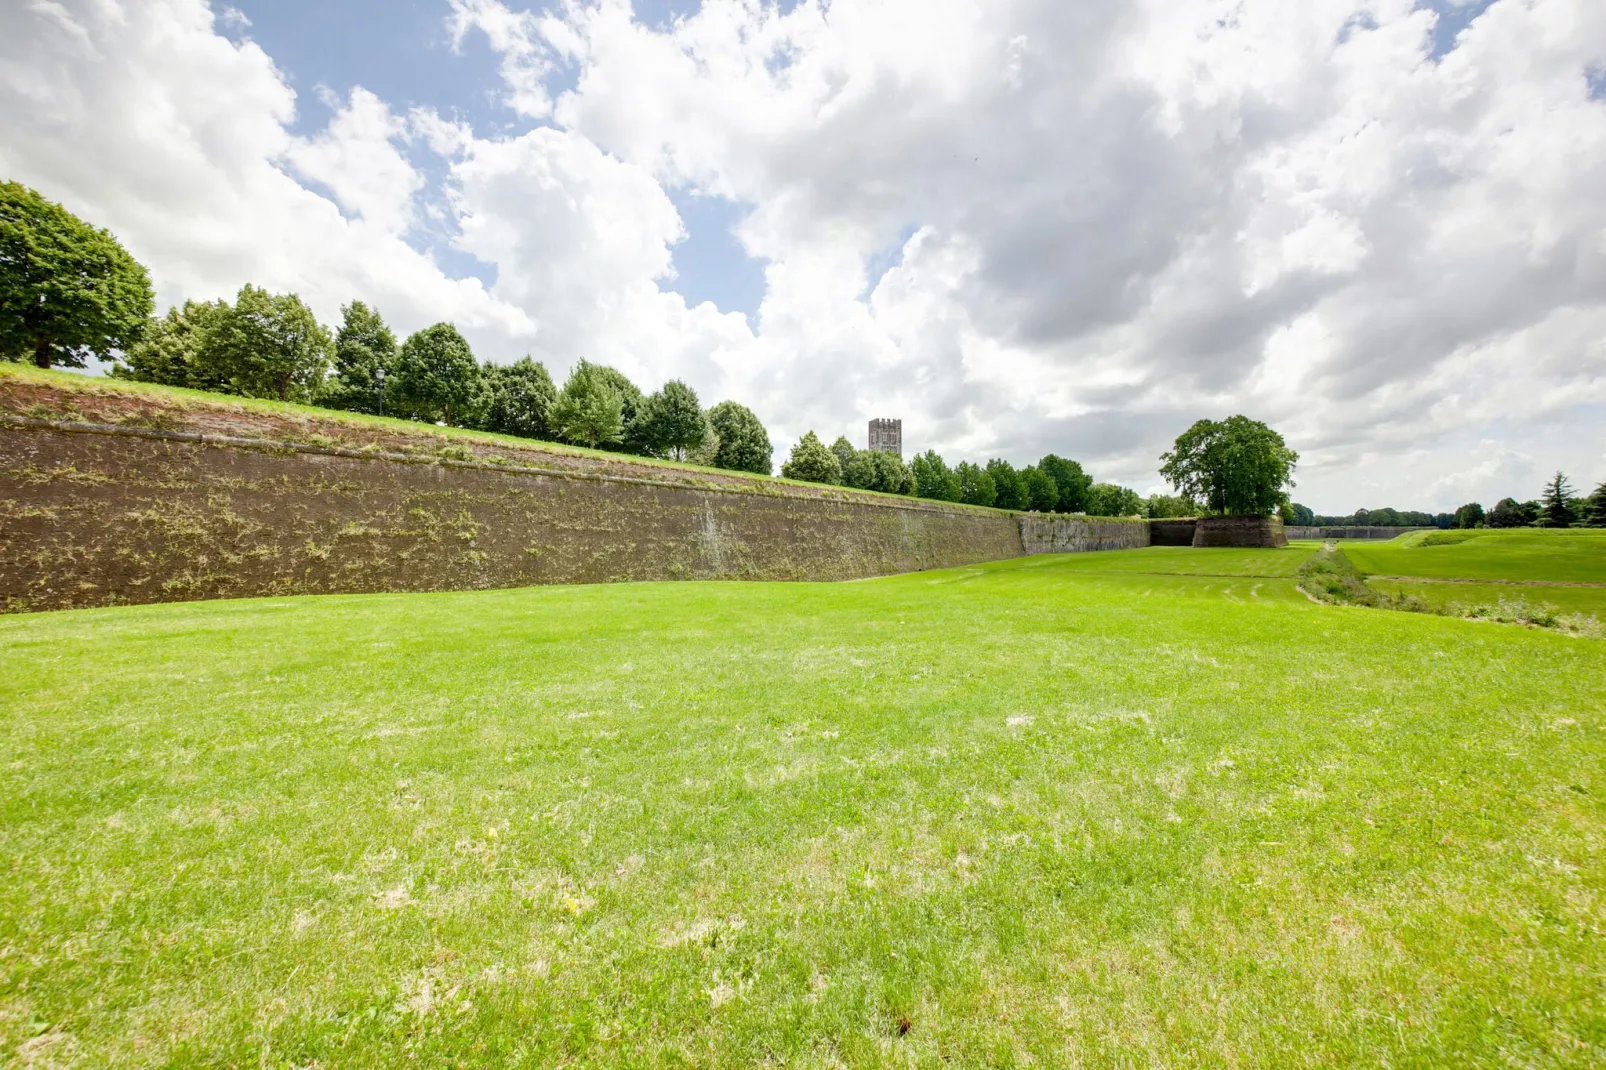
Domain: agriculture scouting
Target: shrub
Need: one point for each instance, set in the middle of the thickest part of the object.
(437, 378)
(589, 411)
(518, 399)
(744, 445)
(671, 422)
(812, 462)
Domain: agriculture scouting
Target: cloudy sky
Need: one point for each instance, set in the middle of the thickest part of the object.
(1020, 225)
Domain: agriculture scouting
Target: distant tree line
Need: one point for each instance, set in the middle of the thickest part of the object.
(1052, 485)
(1558, 506)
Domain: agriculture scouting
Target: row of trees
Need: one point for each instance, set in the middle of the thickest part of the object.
(1052, 485)
(69, 292)
(1558, 506)
(1377, 518)
(271, 345)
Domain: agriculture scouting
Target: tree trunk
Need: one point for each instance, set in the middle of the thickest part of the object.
(41, 353)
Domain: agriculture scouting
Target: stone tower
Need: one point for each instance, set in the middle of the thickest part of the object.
(887, 436)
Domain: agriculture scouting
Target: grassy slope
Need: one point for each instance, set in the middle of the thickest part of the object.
(1583, 600)
(1531, 556)
(1570, 555)
(1039, 809)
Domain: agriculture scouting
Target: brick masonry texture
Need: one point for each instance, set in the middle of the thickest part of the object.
(1243, 531)
(1053, 534)
(107, 518)
(113, 494)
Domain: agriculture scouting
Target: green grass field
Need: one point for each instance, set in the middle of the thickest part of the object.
(1137, 808)
(1564, 555)
(1549, 568)
(1588, 601)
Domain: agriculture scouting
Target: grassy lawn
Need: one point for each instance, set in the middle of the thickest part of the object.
(1584, 600)
(1108, 809)
(1565, 555)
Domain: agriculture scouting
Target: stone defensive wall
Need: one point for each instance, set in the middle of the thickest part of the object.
(116, 493)
(1307, 532)
(1052, 533)
(1239, 531)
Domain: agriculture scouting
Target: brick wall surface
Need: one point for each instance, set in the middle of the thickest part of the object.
(1240, 531)
(1050, 533)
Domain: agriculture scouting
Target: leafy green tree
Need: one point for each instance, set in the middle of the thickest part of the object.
(1594, 508)
(1009, 485)
(1073, 483)
(933, 478)
(976, 487)
(844, 453)
(1382, 518)
(589, 410)
(631, 401)
(1108, 499)
(363, 346)
(1170, 506)
(744, 445)
(812, 462)
(68, 290)
(1505, 514)
(1556, 504)
(1469, 515)
(518, 399)
(437, 378)
(1236, 466)
(169, 351)
(874, 470)
(1303, 516)
(859, 470)
(267, 346)
(891, 474)
(1042, 493)
(671, 422)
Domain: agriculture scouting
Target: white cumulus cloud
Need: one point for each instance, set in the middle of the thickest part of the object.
(1021, 225)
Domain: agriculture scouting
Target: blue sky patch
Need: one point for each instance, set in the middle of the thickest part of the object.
(884, 260)
(711, 264)
(1453, 18)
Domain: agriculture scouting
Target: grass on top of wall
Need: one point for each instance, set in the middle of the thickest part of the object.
(184, 398)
